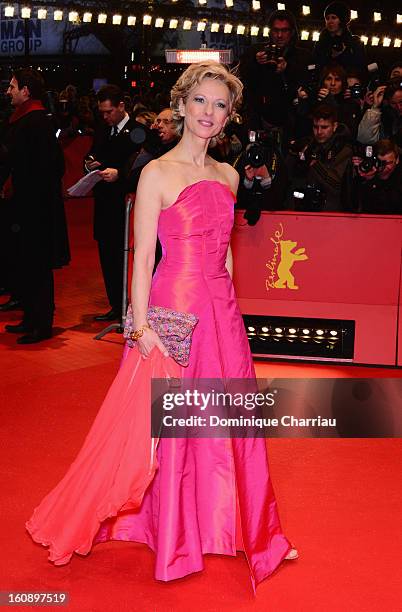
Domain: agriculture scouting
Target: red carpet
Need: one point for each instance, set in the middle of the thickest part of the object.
(340, 500)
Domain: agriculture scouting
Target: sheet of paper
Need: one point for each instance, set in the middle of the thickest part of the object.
(85, 184)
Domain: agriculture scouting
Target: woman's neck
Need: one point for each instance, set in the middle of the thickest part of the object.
(192, 149)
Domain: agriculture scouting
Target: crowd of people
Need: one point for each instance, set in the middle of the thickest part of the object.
(318, 131)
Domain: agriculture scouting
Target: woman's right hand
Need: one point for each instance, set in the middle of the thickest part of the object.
(323, 93)
(148, 341)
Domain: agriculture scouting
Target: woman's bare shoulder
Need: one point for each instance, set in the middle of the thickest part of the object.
(231, 175)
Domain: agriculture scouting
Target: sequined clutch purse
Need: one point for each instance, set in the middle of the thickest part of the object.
(174, 328)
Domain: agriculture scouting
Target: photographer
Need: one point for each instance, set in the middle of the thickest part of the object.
(271, 74)
(384, 118)
(336, 42)
(380, 189)
(319, 166)
(263, 177)
(332, 89)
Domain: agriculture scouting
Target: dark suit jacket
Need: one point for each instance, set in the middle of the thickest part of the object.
(111, 152)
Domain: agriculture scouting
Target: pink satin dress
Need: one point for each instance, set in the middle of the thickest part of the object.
(206, 495)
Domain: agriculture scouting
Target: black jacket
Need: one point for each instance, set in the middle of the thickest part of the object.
(383, 197)
(111, 152)
(33, 158)
(353, 56)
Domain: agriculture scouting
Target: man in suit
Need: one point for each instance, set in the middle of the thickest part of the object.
(36, 224)
(110, 152)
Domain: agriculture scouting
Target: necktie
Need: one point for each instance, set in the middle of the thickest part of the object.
(115, 130)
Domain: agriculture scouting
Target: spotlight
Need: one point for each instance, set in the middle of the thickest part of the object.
(364, 39)
(374, 41)
(281, 6)
(254, 30)
(201, 25)
(202, 2)
(304, 35)
(252, 329)
(227, 28)
(397, 42)
(316, 36)
(265, 32)
(116, 19)
(386, 42)
(187, 24)
(333, 332)
(214, 27)
(256, 4)
(229, 3)
(240, 29)
(102, 18)
(87, 17)
(42, 13)
(159, 22)
(26, 12)
(265, 329)
(398, 18)
(319, 332)
(58, 15)
(377, 16)
(9, 11)
(173, 23)
(147, 20)
(354, 14)
(73, 16)
(306, 10)
(279, 330)
(306, 332)
(292, 330)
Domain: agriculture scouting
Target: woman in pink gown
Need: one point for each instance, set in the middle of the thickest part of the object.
(200, 495)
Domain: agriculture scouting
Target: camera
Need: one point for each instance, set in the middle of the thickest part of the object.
(143, 136)
(370, 161)
(310, 198)
(375, 77)
(273, 52)
(259, 151)
(356, 91)
(312, 81)
(337, 44)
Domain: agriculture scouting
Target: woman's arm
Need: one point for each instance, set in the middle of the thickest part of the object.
(232, 176)
(148, 203)
(229, 262)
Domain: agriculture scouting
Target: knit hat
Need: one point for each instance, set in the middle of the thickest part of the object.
(340, 9)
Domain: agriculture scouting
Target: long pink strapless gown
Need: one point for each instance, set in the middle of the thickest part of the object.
(206, 495)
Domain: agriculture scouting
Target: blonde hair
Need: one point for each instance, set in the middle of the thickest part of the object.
(193, 76)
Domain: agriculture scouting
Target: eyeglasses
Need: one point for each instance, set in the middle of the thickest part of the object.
(281, 30)
(164, 121)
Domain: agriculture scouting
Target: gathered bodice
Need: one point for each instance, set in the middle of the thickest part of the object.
(195, 230)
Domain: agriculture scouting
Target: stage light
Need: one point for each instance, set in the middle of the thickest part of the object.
(73, 16)
(256, 4)
(116, 19)
(364, 39)
(58, 15)
(398, 18)
(319, 332)
(306, 332)
(229, 3)
(354, 14)
(377, 16)
(147, 20)
(102, 18)
(254, 30)
(333, 332)
(42, 13)
(306, 9)
(214, 27)
(201, 25)
(304, 35)
(292, 331)
(26, 12)
(9, 11)
(252, 329)
(386, 42)
(187, 24)
(159, 21)
(374, 41)
(265, 32)
(281, 6)
(173, 23)
(202, 2)
(265, 329)
(87, 17)
(397, 42)
(240, 29)
(228, 28)
(316, 36)
(278, 330)
(131, 19)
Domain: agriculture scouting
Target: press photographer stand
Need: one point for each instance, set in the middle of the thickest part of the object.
(118, 327)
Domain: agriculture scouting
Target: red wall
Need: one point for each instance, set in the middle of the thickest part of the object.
(349, 268)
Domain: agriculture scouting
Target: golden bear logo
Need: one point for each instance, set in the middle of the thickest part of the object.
(288, 257)
(281, 267)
